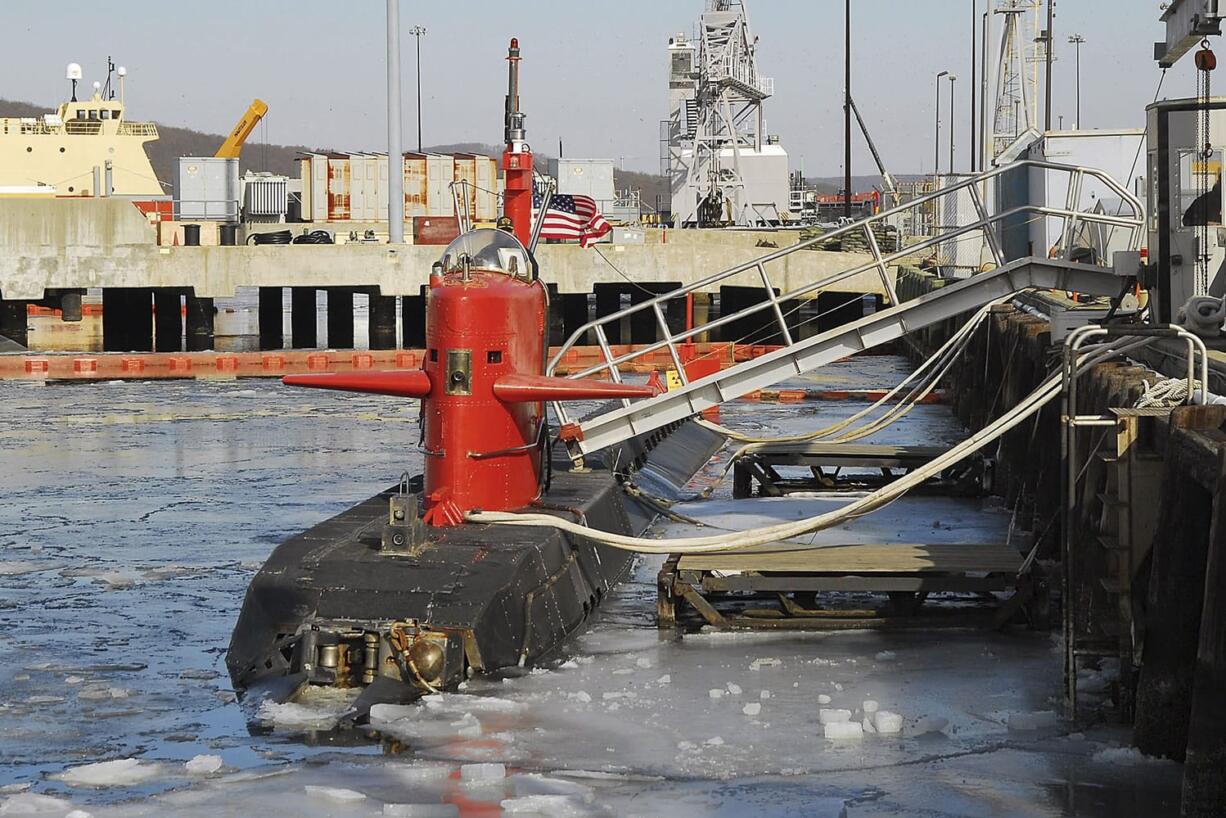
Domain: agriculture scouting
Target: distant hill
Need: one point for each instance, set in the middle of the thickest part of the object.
(175, 142)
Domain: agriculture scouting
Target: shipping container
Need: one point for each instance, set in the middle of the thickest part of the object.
(338, 187)
(415, 186)
(441, 170)
(208, 188)
(435, 230)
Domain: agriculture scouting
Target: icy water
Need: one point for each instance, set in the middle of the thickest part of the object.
(134, 516)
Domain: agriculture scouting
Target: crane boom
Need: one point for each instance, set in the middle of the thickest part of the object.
(233, 146)
(886, 178)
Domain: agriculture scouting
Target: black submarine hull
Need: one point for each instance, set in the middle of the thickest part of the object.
(331, 606)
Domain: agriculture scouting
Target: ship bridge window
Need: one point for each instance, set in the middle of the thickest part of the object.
(106, 113)
(93, 113)
(80, 113)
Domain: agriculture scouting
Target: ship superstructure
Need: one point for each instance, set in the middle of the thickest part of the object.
(86, 148)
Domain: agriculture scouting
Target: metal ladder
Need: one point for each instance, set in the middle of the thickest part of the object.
(796, 357)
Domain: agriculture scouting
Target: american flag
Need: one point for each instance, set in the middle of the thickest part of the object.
(571, 217)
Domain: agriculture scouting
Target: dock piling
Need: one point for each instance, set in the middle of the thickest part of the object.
(340, 318)
(200, 317)
(382, 320)
(271, 317)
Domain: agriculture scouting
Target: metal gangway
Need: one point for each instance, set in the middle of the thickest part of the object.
(997, 279)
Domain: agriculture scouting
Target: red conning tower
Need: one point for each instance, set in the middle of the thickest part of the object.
(482, 383)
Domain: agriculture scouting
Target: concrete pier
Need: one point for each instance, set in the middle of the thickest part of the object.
(167, 320)
(340, 318)
(13, 321)
(201, 315)
(382, 320)
(303, 327)
(271, 318)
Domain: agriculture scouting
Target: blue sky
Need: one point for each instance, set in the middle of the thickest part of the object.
(593, 73)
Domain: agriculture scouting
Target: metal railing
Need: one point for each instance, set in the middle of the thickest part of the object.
(985, 224)
(740, 73)
(1128, 339)
(138, 129)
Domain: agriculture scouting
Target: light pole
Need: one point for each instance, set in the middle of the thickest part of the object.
(395, 180)
(418, 32)
(936, 134)
(974, 70)
(1076, 41)
(952, 79)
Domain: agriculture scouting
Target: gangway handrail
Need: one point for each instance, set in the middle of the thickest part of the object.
(1070, 217)
(879, 261)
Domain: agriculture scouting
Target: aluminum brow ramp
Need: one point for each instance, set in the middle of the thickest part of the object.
(797, 357)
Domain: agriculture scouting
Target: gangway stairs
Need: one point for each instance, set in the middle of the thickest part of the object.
(999, 278)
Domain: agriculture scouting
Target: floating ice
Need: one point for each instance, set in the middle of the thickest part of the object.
(468, 703)
(716, 692)
(887, 722)
(31, 803)
(79, 813)
(121, 772)
(418, 772)
(393, 712)
(1126, 756)
(1042, 720)
(338, 794)
(569, 664)
(665, 679)
(482, 772)
(292, 714)
(752, 709)
(769, 661)
(422, 810)
(581, 696)
(714, 741)
(829, 715)
(643, 662)
(867, 724)
(842, 729)
(555, 806)
(203, 765)
(886, 656)
(765, 694)
(537, 784)
(930, 724)
(734, 689)
(822, 698)
(869, 707)
(73, 680)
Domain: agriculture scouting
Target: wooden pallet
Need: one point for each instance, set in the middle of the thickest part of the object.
(828, 465)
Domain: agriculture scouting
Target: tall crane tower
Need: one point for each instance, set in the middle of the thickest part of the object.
(723, 166)
(1022, 50)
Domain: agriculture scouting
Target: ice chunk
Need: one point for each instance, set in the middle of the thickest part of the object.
(867, 724)
(887, 722)
(537, 784)
(714, 741)
(752, 709)
(422, 810)
(838, 686)
(665, 679)
(829, 715)
(79, 813)
(716, 692)
(822, 698)
(338, 794)
(1125, 756)
(292, 714)
(581, 696)
(764, 695)
(886, 656)
(419, 773)
(643, 662)
(555, 806)
(203, 765)
(734, 689)
(73, 680)
(843, 729)
(768, 661)
(930, 724)
(31, 803)
(393, 712)
(569, 664)
(121, 772)
(869, 707)
(1042, 720)
(482, 772)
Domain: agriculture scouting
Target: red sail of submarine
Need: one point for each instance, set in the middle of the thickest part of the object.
(482, 383)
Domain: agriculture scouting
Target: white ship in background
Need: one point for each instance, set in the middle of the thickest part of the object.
(86, 148)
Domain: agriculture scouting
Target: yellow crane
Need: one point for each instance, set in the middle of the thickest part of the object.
(233, 146)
